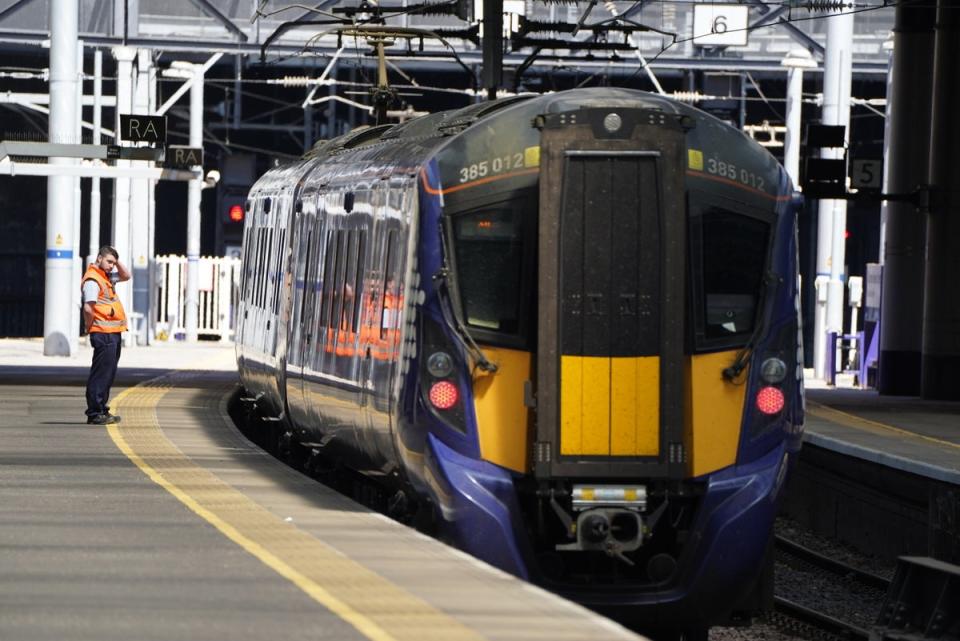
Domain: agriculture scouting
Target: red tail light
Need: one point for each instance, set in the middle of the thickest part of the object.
(443, 395)
(770, 400)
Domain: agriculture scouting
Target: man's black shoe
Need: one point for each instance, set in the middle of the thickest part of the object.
(103, 419)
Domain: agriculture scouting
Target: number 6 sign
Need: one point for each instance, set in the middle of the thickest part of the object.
(720, 24)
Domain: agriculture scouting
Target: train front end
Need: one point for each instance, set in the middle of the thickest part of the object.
(609, 353)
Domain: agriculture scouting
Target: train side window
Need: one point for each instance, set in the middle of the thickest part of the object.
(280, 269)
(307, 286)
(247, 261)
(388, 318)
(358, 280)
(489, 254)
(330, 259)
(730, 253)
(338, 279)
(269, 283)
(349, 282)
(260, 269)
(264, 267)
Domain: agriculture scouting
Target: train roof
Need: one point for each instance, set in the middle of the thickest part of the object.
(440, 125)
(372, 152)
(447, 123)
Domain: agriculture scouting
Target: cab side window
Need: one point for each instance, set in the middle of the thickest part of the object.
(729, 255)
(489, 250)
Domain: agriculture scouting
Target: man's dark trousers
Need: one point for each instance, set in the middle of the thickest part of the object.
(106, 355)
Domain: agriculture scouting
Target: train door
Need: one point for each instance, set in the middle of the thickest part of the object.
(303, 268)
(611, 295)
(255, 313)
(287, 298)
(246, 281)
(274, 264)
(382, 315)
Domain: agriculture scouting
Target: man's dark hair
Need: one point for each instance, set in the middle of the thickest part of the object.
(107, 249)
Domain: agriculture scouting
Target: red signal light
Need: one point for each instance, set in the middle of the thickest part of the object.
(443, 395)
(236, 213)
(770, 400)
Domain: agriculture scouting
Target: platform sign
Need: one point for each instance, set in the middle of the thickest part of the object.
(183, 157)
(720, 25)
(143, 128)
(867, 173)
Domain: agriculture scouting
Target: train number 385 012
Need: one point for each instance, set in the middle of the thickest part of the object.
(729, 171)
(486, 168)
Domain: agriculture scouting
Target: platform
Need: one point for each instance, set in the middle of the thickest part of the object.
(171, 525)
(879, 473)
(905, 433)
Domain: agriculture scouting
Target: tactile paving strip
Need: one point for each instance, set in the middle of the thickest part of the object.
(379, 609)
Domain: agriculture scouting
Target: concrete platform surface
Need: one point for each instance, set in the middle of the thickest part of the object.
(163, 356)
(910, 434)
(171, 525)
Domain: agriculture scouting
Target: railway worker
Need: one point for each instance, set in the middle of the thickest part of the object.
(105, 321)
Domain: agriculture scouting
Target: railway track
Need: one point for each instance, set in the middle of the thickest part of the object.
(814, 559)
(798, 620)
(817, 622)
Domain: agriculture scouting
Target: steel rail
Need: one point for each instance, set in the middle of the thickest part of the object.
(823, 622)
(831, 565)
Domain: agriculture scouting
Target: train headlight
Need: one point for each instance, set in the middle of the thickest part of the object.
(773, 371)
(770, 400)
(440, 364)
(612, 122)
(443, 395)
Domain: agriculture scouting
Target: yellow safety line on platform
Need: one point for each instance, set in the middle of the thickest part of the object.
(828, 413)
(377, 608)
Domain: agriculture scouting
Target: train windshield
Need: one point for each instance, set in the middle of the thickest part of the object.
(732, 254)
(489, 261)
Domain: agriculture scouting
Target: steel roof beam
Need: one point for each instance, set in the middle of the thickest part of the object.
(213, 12)
(792, 30)
(210, 46)
(20, 4)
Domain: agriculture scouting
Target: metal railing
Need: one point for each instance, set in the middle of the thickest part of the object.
(219, 278)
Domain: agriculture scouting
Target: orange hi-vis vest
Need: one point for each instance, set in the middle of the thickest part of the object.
(108, 316)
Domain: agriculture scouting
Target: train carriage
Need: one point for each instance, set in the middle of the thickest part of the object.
(567, 325)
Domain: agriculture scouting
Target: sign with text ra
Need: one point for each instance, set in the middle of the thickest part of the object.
(139, 128)
(183, 157)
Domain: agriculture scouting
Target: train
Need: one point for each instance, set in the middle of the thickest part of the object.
(564, 326)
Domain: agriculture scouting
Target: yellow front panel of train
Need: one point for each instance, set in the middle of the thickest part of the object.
(609, 406)
(503, 419)
(713, 412)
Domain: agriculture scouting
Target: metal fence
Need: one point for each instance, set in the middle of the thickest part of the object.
(219, 278)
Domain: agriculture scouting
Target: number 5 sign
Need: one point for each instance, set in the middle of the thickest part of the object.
(867, 174)
(720, 24)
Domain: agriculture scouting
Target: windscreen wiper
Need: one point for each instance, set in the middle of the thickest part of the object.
(733, 371)
(441, 279)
